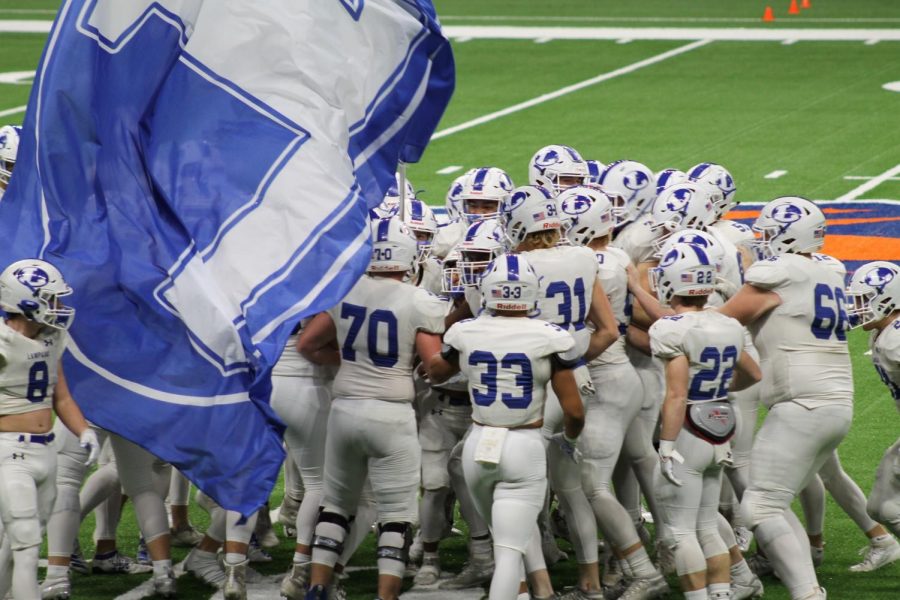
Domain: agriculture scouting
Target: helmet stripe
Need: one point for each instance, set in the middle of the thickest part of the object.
(480, 176)
(698, 170)
(416, 210)
(701, 254)
(512, 267)
(384, 225)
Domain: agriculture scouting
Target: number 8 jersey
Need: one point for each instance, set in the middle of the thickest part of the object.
(376, 325)
(28, 369)
(802, 342)
(507, 361)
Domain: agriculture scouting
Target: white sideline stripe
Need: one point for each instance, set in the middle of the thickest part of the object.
(12, 111)
(28, 11)
(513, 32)
(775, 174)
(448, 170)
(25, 26)
(869, 185)
(867, 177)
(568, 89)
(556, 18)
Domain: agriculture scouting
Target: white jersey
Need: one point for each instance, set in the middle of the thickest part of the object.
(293, 364)
(802, 343)
(712, 344)
(636, 239)
(567, 274)
(28, 369)
(612, 263)
(508, 363)
(432, 275)
(448, 236)
(734, 232)
(473, 299)
(376, 326)
(885, 346)
(832, 263)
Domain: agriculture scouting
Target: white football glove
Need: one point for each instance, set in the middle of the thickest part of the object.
(668, 455)
(568, 445)
(89, 442)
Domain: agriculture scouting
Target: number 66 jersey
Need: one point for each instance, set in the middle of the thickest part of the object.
(28, 369)
(507, 361)
(802, 342)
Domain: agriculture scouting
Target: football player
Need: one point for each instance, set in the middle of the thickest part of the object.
(874, 297)
(702, 350)
(483, 191)
(557, 168)
(451, 232)
(794, 307)
(379, 327)
(571, 296)
(508, 360)
(32, 387)
(9, 148)
(588, 221)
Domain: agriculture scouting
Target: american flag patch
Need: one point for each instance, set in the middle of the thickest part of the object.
(496, 294)
(539, 216)
(687, 278)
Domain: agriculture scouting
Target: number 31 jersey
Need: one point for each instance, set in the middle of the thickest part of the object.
(376, 326)
(28, 369)
(507, 361)
(802, 342)
(710, 341)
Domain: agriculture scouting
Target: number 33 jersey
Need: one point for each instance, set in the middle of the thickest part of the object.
(802, 342)
(710, 341)
(507, 362)
(376, 325)
(28, 369)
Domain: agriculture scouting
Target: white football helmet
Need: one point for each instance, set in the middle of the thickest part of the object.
(484, 184)
(421, 221)
(873, 293)
(482, 244)
(586, 213)
(595, 169)
(714, 250)
(452, 202)
(683, 206)
(668, 177)
(685, 270)
(529, 209)
(718, 176)
(509, 283)
(390, 206)
(32, 288)
(788, 225)
(394, 247)
(451, 276)
(556, 168)
(9, 148)
(631, 186)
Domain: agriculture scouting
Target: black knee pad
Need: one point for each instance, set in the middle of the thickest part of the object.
(394, 540)
(331, 531)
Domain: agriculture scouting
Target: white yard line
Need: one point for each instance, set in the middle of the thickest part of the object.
(513, 32)
(146, 588)
(25, 26)
(12, 111)
(775, 174)
(568, 89)
(869, 185)
(867, 177)
(450, 169)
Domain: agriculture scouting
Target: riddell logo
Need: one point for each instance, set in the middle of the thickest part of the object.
(857, 232)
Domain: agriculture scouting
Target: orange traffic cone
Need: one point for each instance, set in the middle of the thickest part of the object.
(806, 4)
(768, 15)
(794, 9)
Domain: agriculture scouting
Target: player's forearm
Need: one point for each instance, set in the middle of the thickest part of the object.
(639, 338)
(69, 412)
(673, 411)
(746, 373)
(600, 340)
(566, 389)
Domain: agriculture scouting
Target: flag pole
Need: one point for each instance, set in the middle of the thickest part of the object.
(401, 169)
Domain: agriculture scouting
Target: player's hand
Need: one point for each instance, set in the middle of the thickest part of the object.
(568, 445)
(668, 455)
(634, 279)
(89, 442)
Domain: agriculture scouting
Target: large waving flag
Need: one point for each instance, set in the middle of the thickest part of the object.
(200, 171)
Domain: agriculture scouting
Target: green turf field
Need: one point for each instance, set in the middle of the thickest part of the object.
(815, 109)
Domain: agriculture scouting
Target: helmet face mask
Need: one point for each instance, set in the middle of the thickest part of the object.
(33, 288)
(557, 168)
(873, 293)
(482, 243)
(9, 148)
(451, 276)
(420, 219)
(788, 225)
(483, 192)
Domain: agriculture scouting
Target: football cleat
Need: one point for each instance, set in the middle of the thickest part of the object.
(164, 585)
(430, 571)
(264, 531)
(646, 588)
(235, 585)
(295, 582)
(143, 556)
(77, 562)
(877, 555)
(743, 537)
(185, 537)
(205, 567)
(256, 553)
(114, 563)
(59, 588)
(743, 590)
(475, 573)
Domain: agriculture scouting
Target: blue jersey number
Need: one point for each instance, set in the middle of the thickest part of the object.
(380, 321)
(718, 369)
(561, 288)
(38, 382)
(513, 360)
(893, 387)
(831, 314)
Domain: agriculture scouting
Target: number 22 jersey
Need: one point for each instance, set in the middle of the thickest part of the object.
(802, 342)
(507, 361)
(28, 369)
(376, 324)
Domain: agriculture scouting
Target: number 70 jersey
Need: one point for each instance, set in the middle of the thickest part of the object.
(507, 361)
(28, 369)
(802, 343)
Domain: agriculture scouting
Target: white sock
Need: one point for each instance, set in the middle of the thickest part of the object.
(741, 573)
(161, 567)
(429, 555)
(57, 571)
(234, 558)
(640, 564)
(696, 595)
(882, 540)
(719, 591)
(301, 559)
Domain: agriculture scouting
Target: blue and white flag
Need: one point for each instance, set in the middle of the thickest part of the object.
(201, 171)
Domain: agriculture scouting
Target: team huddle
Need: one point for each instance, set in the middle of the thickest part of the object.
(582, 354)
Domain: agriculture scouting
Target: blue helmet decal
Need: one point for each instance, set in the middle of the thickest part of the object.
(551, 157)
(787, 213)
(577, 205)
(879, 277)
(693, 239)
(701, 254)
(517, 199)
(32, 277)
(680, 199)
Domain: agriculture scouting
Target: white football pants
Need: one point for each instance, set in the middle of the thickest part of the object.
(884, 501)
